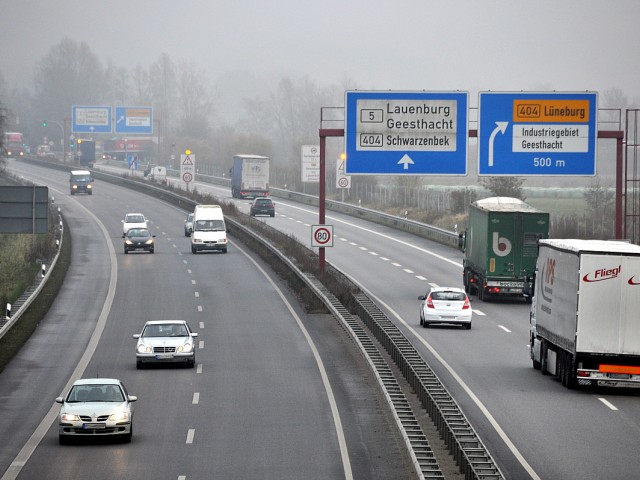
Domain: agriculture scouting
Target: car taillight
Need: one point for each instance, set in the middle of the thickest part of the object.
(430, 302)
(466, 304)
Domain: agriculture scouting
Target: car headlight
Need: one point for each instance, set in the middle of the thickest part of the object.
(142, 348)
(128, 242)
(69, 417)
(119, 416)
(149, 242)
(88, 186)
(74, 186)
(186, 348)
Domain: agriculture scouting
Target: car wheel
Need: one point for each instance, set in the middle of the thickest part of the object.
(127, 437)
(126, 251)
(273, 214)
(467, 326)
(186, 234)
(193, 250)
(63, 440)
(224, 251)
(151, 250)
(425, 324)
(139, 365)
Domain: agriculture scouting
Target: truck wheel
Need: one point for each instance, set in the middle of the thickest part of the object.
(560, 367)
(536, 364)
(569, 379)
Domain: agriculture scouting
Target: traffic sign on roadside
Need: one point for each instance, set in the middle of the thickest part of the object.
(549, 133)
(187, 167)
(322, 235)
(406, 133)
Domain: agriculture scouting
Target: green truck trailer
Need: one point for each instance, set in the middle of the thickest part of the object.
(501, 246)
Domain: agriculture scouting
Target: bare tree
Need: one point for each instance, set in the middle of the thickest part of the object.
(503, 186)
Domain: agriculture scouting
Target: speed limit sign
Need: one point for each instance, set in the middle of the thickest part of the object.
(322, 235)
(187, 177)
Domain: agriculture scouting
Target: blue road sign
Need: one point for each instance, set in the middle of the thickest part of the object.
(88, 119)
(406, 133)
(548, 133)
(134, 120)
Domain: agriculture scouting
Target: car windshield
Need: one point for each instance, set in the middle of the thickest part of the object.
(95, 393)
(81, 178)
(451, 296)
(209, 225)
(134, 219)
(138, 232)
(165, 330)
(263, 203)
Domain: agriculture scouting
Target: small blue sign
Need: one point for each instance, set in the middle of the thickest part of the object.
(134, 120)
(549, 133)
(406, 133)
(89, 119)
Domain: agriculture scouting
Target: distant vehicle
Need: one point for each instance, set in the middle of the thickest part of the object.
(156, 174)
(44, 151)
(96, 407)
(188, 225)
(250, 176)
(165, 341)
(585, 321)
(138, 239)
(209, 229)
(80, 182)
(445, 305)
(13, 144)
(501, 246)
(133, 220)
(86, 153)
(262, 206)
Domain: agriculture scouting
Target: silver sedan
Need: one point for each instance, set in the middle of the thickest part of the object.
(96, 407)
(165, 341)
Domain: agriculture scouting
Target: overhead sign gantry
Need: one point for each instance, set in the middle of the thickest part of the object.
(549, 133)
(406, 133)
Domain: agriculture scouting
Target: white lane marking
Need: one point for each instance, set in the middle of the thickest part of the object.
(199, 368)
(608, 404)
(420, 277)
(343, 239)
(199, 308)
(479, 312)
(395, 264)
(408, 271)
(353, 243)
(190, 434)
(485, 411)
(196, 398)
(201, 344)
(363, 248)
(36, 437)
(374, 254)
(344, 452)
(197, 294)
(433, 285)
(182, 477)
(503, 327)
(201, 325)
(384, 258)
(189, 271)
(193, 282)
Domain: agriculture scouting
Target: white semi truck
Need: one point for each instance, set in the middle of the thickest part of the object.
(249, 176)
(585, 314)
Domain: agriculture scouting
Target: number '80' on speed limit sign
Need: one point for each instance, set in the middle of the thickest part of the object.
(322, 235)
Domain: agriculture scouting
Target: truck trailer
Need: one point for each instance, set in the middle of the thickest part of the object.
(501, 246)
(250, 176)
(585, 314)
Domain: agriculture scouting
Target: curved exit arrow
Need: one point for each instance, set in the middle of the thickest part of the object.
(406, 160)
(500, 127)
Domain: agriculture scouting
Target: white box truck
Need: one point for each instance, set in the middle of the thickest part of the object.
(250, 176)
(585, 315)
(209, 229)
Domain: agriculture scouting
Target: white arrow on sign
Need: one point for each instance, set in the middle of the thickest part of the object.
(501, 127)
(406, 160)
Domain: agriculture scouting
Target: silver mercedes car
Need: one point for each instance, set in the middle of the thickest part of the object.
(96, 406)
(165, 341)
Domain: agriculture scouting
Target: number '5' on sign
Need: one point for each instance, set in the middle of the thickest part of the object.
(322, 235)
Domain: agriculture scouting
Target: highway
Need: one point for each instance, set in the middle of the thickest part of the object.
(534, 427)
(277, 393)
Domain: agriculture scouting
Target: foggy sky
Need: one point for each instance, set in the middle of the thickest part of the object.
(473, 45)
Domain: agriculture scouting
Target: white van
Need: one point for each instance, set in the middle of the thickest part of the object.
(209, 230)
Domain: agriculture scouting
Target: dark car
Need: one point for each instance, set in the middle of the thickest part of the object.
(263, 206)
(138, 239)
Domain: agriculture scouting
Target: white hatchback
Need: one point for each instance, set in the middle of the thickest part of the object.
(445, 305)
(133, 220)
